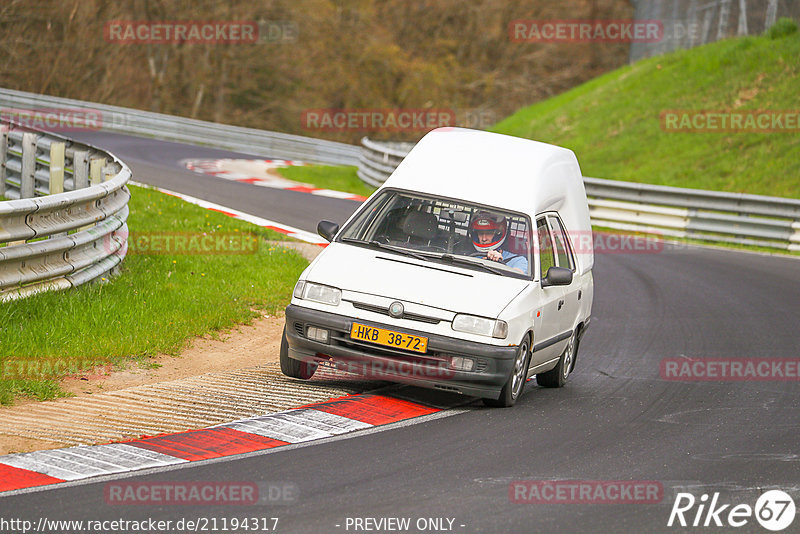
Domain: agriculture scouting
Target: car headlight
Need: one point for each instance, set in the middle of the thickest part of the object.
(317, 293)
(480, 325)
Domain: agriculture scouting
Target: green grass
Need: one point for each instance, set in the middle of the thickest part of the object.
(156, 305)
(328, 177)
(613, 122)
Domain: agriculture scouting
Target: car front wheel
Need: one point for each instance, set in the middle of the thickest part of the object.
(292, 367)
(512, 389)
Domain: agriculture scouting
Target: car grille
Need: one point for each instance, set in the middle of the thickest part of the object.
(406, 315)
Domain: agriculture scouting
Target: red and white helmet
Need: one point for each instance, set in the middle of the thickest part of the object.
(484, 221)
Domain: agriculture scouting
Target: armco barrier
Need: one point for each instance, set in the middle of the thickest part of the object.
(180, 129)
(378, 160)
(64, 223)
(739, 218)
(683, 213)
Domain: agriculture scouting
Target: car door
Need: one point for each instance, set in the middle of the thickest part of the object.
(548, 321)
(565, 258)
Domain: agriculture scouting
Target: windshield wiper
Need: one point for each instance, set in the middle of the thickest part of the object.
(384, 246)
(425, 256)
(474, 263)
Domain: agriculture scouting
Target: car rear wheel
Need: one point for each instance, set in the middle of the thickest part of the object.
(512, 389)
(292, 367)
(557, 376)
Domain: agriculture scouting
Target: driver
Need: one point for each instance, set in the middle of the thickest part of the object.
(488, 232)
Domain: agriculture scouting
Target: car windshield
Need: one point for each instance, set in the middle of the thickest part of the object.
(444, 230)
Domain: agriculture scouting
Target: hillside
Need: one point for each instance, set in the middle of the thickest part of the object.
(614, 122)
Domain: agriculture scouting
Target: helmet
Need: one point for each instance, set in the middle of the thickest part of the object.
(485, 221)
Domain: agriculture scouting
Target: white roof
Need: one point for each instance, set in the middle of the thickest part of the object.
(503, 171)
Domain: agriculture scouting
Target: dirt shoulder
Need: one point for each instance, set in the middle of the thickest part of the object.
(234, 374)
(242, 346)
(245, 346)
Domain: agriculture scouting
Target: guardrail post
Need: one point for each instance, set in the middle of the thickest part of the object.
(57, 168)
(80, 169)
(27, 181)
(108, 173)
(96, 170)
(3, 157)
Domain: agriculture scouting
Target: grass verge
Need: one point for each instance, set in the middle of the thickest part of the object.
(156, 305)
(613, 123)
(328, 177)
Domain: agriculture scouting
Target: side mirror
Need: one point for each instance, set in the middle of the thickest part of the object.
(557, 276)
(327, 229)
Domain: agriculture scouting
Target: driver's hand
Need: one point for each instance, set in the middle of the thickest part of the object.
(494, 255)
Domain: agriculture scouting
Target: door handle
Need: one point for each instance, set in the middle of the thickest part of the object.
(560, 303)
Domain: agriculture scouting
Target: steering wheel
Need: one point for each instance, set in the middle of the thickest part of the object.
(483, 255)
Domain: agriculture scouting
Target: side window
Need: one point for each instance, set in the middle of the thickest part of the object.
(563, 251)
(546, 256)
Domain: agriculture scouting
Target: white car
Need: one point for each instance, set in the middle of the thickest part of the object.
(468, 271)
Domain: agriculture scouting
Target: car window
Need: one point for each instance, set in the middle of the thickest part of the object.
(562, 248)
(440, 229)
(546, 255)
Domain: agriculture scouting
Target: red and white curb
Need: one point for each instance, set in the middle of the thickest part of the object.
(257, 172)
(303, 424)
(291, 231)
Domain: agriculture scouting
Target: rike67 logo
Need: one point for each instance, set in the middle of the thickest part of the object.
(774, 510)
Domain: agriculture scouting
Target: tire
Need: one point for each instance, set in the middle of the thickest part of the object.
(290, 366)
(557, 376)
(512, 390)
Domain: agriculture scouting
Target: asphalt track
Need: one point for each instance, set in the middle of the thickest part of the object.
(616, 419)
(159, 163)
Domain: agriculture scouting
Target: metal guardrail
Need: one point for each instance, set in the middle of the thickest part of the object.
(65, 222)
(771, 222)
(378, 160)
(180, 129)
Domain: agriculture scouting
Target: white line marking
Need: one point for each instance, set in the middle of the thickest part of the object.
(184, 465)
(297, 233)
(81, 462)
(276, 426)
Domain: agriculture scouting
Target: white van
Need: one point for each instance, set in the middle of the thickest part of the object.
(469, 271)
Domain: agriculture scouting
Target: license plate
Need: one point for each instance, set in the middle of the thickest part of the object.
(389, 338)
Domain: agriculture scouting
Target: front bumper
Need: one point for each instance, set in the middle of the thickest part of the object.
(493, 364)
